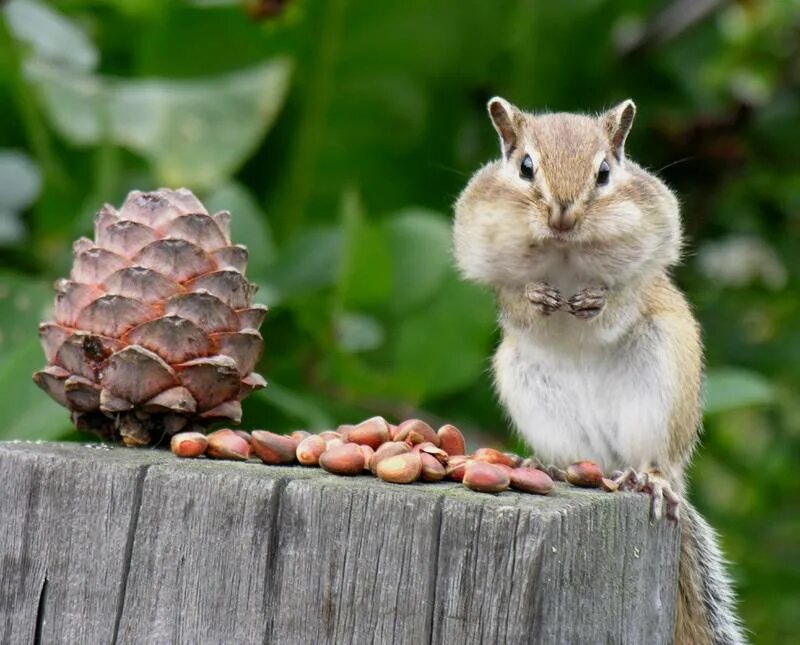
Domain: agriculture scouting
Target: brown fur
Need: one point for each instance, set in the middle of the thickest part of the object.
(668, 305)
(665, 303)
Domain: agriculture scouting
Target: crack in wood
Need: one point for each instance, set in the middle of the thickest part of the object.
(138, 490)
(434, 575)
(272, 558)
(37, 634)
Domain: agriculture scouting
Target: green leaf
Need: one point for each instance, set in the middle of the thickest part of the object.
(195, 133)
(249, 225)
(358, 332)
(420, 244)
(308, 263)
(74, 102)
(24, 303)
(11, 227)
(198, 132)
(296, 405)
(29, 412)
(729, 388)
(50, 35)
(366, 270)
(20, 182)
(445, 346)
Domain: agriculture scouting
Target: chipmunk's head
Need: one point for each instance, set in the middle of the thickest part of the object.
(563, 182)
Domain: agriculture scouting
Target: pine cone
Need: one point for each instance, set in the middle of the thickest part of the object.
(154, 332)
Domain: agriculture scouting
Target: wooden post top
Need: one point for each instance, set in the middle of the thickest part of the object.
(107, 544)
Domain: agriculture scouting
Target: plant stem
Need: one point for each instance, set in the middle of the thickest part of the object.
(106, 160)
(105, 163)
(32, 122)
(312, 121)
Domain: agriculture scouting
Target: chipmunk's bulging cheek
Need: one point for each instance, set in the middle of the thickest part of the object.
(628, 211)
(614, 219)
(490, 246)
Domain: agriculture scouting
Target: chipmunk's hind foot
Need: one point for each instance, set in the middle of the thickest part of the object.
(664, 499)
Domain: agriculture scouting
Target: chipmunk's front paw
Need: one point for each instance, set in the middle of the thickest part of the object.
(587, 303)
(659, 489)
(544, 297)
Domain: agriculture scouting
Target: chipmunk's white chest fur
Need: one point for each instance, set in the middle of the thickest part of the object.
(588, 397)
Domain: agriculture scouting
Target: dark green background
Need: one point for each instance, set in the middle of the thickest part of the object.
(339, 133)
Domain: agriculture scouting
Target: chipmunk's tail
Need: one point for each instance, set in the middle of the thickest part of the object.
(706, 603)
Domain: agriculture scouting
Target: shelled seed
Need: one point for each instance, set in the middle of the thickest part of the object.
(188, 444)
(451, 440)
(416, 431)
(586, 474)
(299, 435)
(368, 452)
(226, 444)
(432, 469)
(531, 480)
(272, 448)
(456, 466)
(244, 435)
(346, 459)
(492, 456)
(388, 449)
(400, 469)
(372, 432)
(310, 449)
(484, 477)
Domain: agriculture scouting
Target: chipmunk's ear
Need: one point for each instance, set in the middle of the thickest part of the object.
(617, 123)
(503, 116)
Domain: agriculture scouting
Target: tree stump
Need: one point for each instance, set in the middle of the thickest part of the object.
(116, 545)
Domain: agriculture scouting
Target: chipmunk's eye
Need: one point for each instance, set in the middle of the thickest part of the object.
(526, 168)
(602, 173)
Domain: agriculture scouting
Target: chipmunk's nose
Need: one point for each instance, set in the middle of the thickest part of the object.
(561, 217)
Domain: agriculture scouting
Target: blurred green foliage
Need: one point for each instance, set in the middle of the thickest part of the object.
(339, 134)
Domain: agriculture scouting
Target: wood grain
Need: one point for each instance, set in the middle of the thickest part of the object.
(136, 546)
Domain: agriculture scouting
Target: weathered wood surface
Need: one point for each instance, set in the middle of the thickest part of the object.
(135, 546)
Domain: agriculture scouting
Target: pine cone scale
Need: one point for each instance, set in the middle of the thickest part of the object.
(125, 238)
(112, 315)
(199, 229)
(82, 394)
(212, 381)
(94, 265)
(141, 284)
(226, 284)
(178, 258)
(173, 338)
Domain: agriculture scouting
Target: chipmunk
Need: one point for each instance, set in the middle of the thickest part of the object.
(600, 356)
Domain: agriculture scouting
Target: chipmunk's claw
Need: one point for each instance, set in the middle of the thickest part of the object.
(544, 297)
(660, 491)
(587, 303)
(556, 473)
